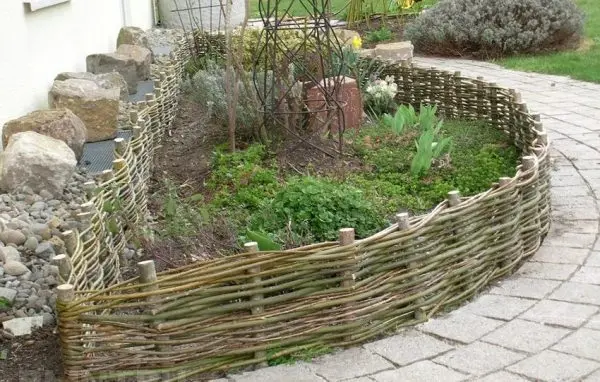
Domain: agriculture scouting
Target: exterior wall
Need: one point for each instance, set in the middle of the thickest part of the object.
(36, 46)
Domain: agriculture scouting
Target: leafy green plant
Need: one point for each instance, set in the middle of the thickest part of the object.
(320, 207)
(427, 116)
(265, 243)
(305, 355)
(430, 146)
(182, 216)
(382, 34)
(4, 303)
(380, 96)
(404, 116)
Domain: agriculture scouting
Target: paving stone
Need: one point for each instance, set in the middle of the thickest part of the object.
(577, 213)
(479, 358)
(594, 377)
(583, 343)
(525, 287)
(461, 327)
(419, 372)
(297, 373)
(578, 226)
(525, 336)
(348, 364)
(495, 306)
(572, 240)
(361, 379)
(594, 322)
(577, 292)
(553, 366)
(593, 260)
(587, 275)
(563, 181)
(502, 376)
(408, 347)
(547, 271)
(561, 255)
(559, 313)
(573, 202)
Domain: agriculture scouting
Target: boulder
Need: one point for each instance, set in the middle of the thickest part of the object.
(349, 99)
(97, 107)
(132, 36)
(36, 161)
(131, 61)
(23, 326)
(104, 80)
(395, 51)
(61, 124)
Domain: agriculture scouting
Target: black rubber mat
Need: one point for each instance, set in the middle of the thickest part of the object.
(98, 156)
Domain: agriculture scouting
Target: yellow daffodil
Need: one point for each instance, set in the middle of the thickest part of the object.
(356, 42)
(405, 4)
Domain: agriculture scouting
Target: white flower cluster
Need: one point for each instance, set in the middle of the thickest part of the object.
(386, 88)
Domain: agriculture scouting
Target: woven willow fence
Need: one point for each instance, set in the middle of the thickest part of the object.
(241, 310)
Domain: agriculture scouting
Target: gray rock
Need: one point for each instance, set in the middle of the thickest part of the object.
(38, 161)
(31, 243)
(12, 236)
(9, 253)
(48, 319)
(97, 107)
(38, 206)
(45, 194)
(42, 230)
(8, 294)
(23, 326)
(1, 271)
(15, 268)
(110, 80)
(131, 61)
(45, 250)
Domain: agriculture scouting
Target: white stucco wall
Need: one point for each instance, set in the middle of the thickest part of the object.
(36, 46)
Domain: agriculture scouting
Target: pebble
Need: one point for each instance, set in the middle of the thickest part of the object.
(31, 243)
(42, 230)
(45, 250)
(11, 236)
(9, 253)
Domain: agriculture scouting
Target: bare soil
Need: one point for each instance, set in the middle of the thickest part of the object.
(31, 358)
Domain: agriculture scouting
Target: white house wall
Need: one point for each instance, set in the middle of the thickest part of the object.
(36, 46)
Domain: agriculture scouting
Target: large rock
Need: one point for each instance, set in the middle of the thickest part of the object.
(61, 124)
(395, 51)
(23, 326)
(104, 80)
(36, 161)
(132, 61)
(132, 36)
(97, 107)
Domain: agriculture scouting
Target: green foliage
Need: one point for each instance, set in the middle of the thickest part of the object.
(182, 216)
(350, 64)
(404, 116)
(480, 155)
(304, 355)
(265, 243)
(243, 179)
(379, 96)
(4, 304)
(429, 147)
(320, 207)
(378, 35)
(486, 28)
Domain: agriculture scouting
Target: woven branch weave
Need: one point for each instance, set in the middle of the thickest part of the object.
(232, 312)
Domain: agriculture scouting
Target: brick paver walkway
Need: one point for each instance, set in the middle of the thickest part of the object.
(541, 324)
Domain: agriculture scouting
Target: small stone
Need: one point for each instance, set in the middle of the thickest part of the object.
(1, 271)
(8, 294)
(42, 229)
(26, 276)
(15, 268)
(38, 206)
(47, 309)
(45, 194)
(9, 253)
(12, 236)
(31, 243)
(58, 244)
(48, 319)
(45, 250)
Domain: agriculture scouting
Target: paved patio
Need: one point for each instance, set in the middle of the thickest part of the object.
(543, 323)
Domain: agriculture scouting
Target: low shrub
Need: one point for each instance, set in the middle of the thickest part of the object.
(319, 208)
(382, 34)
(494, 28)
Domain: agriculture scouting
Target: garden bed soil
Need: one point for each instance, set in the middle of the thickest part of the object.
(31, 358)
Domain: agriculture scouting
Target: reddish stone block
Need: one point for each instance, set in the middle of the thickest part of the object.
(348, 98)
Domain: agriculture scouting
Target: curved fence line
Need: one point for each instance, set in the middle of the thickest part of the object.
(245, 309)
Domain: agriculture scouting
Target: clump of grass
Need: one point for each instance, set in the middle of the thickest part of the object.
(378, 35)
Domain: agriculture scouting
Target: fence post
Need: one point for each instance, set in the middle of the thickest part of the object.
(453, 198)
(70, 239)
(346, 237)
(252, 247)
(64, 266)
